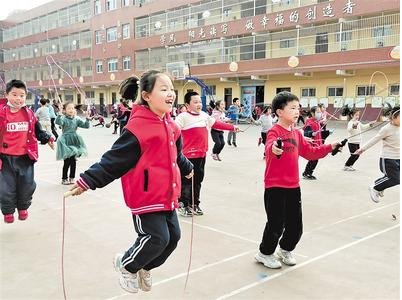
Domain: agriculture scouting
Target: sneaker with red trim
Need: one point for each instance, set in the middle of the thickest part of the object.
(9, 218)
(22, 214)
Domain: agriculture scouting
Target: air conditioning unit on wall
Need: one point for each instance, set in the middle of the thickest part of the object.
(345, 72)
(304, 74)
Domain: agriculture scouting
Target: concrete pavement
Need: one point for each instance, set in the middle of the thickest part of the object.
(350, 248)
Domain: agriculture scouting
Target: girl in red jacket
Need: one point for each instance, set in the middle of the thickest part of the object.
(147, 156)
(312, 129)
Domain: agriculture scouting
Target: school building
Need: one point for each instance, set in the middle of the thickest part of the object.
(334, 52)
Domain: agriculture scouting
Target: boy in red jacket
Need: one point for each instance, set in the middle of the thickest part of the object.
(282, 196)
(19, 135)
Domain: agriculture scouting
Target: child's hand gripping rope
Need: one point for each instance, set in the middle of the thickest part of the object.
(337, 147)
(277, 148)
(74, 191)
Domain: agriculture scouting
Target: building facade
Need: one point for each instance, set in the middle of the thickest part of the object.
(335, 52)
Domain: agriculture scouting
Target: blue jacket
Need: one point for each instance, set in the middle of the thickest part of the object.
(233, 112)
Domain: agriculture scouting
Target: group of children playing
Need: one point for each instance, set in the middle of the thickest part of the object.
(154, 146)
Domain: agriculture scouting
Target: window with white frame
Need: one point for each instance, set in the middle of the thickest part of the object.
(380, 31)
(394, 90)
(288, 43)
(126, 63)
(365, 90)
(125, 31)
(111, 5)
(335, 91)
(99, 66)
(212, 89)
(308, 92)
(111, 34)
(90, 94)
(112, 64)
(97, 7)
(98, 37)
(346, 36)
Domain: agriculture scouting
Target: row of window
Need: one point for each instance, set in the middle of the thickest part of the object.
(112, 34)
(74, 68)
(112, 64)
(60, 18)
(361, 90)
(67, 43)
(113, 4)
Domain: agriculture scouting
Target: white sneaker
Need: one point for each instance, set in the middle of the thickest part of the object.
(270, 261)
(128, 281)
(145, 280)
(287, 257)
(374, 194)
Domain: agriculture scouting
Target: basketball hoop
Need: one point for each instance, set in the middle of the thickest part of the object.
(176, 70)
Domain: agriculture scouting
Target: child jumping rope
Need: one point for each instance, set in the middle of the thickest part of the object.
(266, 121)
(282, 197)
(312, 129)
(19, 135)
(70, 145)
(389, 155)
(354, 140)
(217, 135)
(194, 125)
(147, 157)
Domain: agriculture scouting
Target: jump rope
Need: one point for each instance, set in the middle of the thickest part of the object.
(71, 193)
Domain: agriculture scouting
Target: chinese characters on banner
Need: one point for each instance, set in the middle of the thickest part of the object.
(260, 23)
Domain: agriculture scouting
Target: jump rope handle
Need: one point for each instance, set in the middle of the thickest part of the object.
(69, 193)
(340, 145)
(279, 145)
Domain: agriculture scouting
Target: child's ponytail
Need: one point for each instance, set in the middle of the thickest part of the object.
(391, 112)
(347, 111)
(129, 88)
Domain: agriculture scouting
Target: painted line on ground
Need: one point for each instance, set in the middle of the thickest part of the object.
(184, 274)
(305, 263)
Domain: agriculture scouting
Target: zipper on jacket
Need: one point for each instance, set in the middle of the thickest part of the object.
(145, 180)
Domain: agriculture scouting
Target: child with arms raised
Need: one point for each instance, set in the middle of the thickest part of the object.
(147, 156)
(282, 197)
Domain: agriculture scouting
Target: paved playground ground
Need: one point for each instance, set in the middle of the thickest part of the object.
(350, 248)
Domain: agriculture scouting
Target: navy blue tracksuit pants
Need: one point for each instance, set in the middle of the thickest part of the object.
(158, 235)
(17, 183)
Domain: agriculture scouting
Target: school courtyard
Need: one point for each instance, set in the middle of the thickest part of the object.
(350, 248)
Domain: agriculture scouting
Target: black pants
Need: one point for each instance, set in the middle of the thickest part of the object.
(263, 137)
(300, 119)
(53, 127)
(352, 159)
(310, 167)
(391, 169)
(217, 137)
(116, 125)
(158, 235)
(186, 190)
(17, 183)
(69, 163)
(121, 125)
(284, 219)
